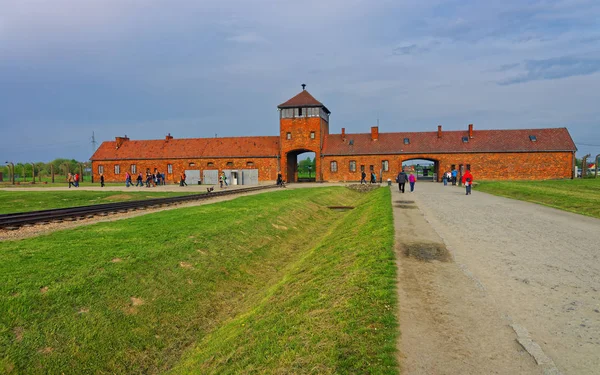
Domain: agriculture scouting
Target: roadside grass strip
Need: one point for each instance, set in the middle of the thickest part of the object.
(23, 201)
(580, 196)
(271, 283)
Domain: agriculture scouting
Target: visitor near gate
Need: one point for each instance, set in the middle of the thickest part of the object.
(467, 180)
(411, 180)
(454, 173)
(363, 177)
(445, 178)
(401, 180)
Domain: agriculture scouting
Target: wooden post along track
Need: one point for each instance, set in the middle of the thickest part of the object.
(16, 220)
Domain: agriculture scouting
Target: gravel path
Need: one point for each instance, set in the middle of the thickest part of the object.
(536, 267)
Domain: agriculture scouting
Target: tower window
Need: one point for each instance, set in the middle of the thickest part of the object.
(288, 135)
(299, 112)
(312, 135)
(334, 166)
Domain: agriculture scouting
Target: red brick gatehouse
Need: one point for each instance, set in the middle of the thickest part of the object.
(522, 154)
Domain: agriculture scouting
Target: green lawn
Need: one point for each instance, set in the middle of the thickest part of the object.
(271, 283)
(581, 196)
(22, 201)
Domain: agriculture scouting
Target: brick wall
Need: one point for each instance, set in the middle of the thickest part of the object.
(484, 166)
(267, 167)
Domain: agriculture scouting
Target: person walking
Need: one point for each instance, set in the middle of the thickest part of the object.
(70, 179)
(221, 181)
(454, 173)
(445, 178)
(401, 180)
(363, 177)
(139, 180)
(279, 179)
(76, 180)
(101, 180)
(225, 179)
(411, 180)
(183, 183)
(127, 179)
(467, 180)
(373, 178)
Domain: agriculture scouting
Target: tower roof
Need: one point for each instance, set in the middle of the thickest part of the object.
(303, 99)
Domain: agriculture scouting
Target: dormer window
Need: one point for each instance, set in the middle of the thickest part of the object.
(465, 139)
(533, 138)
(406, 141)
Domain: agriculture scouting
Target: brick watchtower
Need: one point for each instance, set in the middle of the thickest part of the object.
(303, 125)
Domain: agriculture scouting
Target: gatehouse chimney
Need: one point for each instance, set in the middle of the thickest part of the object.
(343, 134)
(470, 130)
(374, 133)
(439, 131)
(121, 140)
(168, 137)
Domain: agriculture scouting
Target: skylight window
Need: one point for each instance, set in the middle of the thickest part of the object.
(406, 141)
(465, 139)
(533, 138)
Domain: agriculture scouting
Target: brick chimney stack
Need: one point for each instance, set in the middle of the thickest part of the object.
(168, 137)
(374, 133)
(439, 131)
(121, 140)
(343, 134)
(470, 130)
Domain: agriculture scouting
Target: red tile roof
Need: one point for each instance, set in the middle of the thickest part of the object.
(555, 139)
(189, 148)
(303, 99)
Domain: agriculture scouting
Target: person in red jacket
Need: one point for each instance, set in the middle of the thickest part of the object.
(467, 180)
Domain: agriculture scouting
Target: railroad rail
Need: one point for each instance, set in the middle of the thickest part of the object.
(16, 220)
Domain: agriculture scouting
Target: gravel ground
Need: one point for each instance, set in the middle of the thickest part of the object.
(536, 268)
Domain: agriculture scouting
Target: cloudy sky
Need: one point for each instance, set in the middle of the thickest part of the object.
(196, 68)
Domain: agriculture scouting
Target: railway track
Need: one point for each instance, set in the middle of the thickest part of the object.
(15, 221)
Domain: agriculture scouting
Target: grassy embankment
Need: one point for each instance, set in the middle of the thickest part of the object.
(581, 196)
(22, 201)
(272, 283)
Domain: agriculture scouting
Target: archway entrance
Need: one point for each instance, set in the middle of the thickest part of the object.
(301, 166)
(424, 169)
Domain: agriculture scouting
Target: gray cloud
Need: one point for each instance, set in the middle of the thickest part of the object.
(555, 68)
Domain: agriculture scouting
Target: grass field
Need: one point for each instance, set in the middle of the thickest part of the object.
(581, 196)
(272, 283)
(22, 201)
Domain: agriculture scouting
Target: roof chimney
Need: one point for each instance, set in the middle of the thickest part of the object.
(439, 131)
(470, 130)
(168, 137)
(374, 133)
(121, 140)
(343, 134)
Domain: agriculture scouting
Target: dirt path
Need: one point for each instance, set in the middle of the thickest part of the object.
(519, 276)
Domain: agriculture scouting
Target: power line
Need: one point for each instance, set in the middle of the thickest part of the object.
(586, 144)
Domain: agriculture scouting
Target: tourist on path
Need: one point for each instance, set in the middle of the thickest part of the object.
(412, 179)
(363, 177)
(182, 182)
(454, 174)
(401, 180)
(101, 180)
(279, 179)
(445, 178)
(467, 180)
(127, 179)
(76, 180)
(70, 180)
(373, 178)
(225, 179)
(139, 180)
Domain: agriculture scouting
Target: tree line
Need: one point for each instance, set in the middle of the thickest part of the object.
(62, 167)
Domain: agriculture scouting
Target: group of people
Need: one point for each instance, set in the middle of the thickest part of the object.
(151, 179)
(452, 177)
(363, 178)
(73, 180)
(403, 178)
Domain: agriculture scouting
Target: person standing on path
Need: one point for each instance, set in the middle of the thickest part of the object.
(363, 177)
(445, 178)
(467, 180)
(412, 179)
(401, 180)
(454, 174)
(101, 180)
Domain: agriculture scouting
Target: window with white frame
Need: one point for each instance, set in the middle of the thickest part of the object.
(169, 168)
(117, 169)
(352, 165)
(334, 166)
(100, 169)
(133, 168)
(385, 165)
(288, 135)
